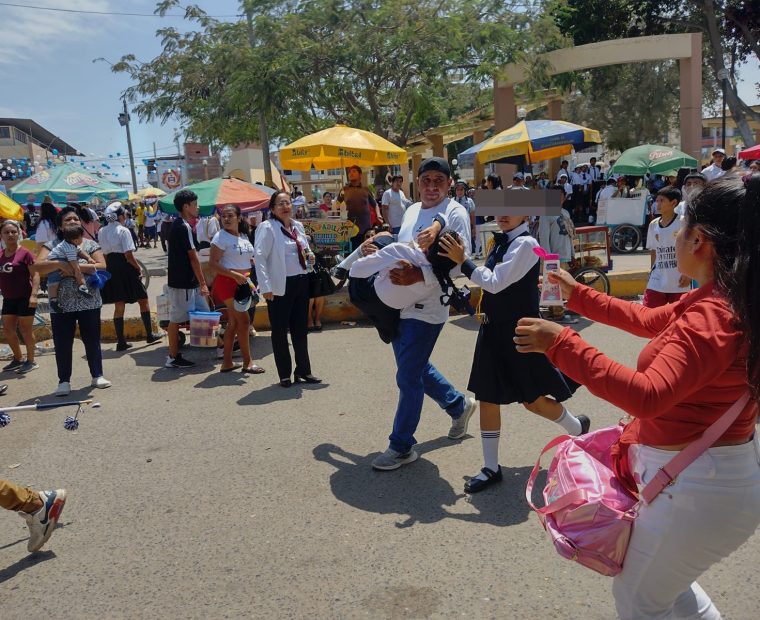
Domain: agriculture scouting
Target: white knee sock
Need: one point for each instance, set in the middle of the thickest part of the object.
(569, 422)
(490, 441)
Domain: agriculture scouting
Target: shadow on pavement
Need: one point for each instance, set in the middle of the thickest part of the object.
(466, 322)
(14, 569)
(418, 491)
(273, 392)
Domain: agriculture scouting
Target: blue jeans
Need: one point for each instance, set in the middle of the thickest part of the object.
(415, 377)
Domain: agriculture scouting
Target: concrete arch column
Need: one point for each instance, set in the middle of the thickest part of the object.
(686, 48)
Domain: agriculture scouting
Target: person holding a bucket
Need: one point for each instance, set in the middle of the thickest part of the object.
(187, 289)
(282, 262)
(231, 259)
(124, 287)
(703, 358)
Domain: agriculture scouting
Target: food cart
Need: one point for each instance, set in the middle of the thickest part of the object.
(330, 236)
(626, 218)
(591, 257)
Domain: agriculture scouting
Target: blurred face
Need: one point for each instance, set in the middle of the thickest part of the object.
(396, 184)
(691, 187)
(685, 259)
(754, 167)
(664, 205)
(230, 220)
(354, 176)
(718, 158)
(283, 208)
(190, 210)
(459, 191)
(327, 197)
(509, 222)
(70, 219)
(9, 235)
(518, 182)
(433, 187)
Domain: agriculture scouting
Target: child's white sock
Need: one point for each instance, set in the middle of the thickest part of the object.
(490, 441)
(569, 422)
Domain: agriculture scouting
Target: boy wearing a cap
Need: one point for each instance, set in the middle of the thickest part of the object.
(421, 323)
(714, 170)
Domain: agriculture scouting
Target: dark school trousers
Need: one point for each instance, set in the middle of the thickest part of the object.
(289, 312)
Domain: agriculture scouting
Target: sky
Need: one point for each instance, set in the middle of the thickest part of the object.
(46, 60)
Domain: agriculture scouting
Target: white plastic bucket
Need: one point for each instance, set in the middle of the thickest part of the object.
(162, 307)
(203, 326)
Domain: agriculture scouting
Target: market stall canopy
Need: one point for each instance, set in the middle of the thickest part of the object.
(531, 141)
(652, 159)
(752, 152)
(66, 183)
(10, 209)
(216, 193)
(338, 147)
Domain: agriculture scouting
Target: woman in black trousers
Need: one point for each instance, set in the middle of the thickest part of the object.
(283, 257)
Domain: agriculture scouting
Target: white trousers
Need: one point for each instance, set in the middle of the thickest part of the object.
(711, 509)
(478, 239)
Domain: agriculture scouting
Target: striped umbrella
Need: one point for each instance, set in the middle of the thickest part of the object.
(216, 193)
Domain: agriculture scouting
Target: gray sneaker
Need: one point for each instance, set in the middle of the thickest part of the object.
(27, 367)
(459, 426)
(390, 459)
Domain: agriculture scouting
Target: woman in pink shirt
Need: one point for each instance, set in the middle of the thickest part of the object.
(704, 354)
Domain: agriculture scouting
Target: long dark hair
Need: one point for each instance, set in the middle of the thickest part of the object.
(495, 180)
(48, 214)
(727, 211)
(84, 213)
(243, 227)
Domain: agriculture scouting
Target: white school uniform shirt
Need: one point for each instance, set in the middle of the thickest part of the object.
(274, 255)
(115, 238)
(396, 203)
(561, 172)
(429, 308)
(605, 192)
(665, 275)
(552, 240)
(45, 232)
(518, 261)
(568, 189)
(238, 251)
(381, 263)
(206, 229)
(713, 172)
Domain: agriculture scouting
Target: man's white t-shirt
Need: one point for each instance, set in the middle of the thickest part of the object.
(238, 251)
(395, 202)
(713, 171)
(665, 275)
(206, 229)
(416, 219)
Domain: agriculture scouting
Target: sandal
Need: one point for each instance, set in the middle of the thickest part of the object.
(253, 370)
(231, 368)
(475, 485)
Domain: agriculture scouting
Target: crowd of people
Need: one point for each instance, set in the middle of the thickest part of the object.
(705, 242)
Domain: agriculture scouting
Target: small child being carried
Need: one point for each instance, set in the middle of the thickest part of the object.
(68, 251)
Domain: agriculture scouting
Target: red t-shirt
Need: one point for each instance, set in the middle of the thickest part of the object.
(15, 277)
(687, 376)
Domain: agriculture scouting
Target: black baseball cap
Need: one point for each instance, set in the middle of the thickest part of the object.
(434, 164)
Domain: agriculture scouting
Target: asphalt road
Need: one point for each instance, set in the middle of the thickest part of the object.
(207, 495)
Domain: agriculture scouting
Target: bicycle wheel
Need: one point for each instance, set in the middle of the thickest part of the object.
(595, 278)
(626, 238)
(144, 273)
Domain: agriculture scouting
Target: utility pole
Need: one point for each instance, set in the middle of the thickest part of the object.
(263, 132)
(124, 122)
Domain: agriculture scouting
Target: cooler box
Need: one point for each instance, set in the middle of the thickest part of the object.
(203, 326)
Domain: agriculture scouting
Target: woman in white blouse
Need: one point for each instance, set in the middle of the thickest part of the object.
(46, 229)
(282, 261)
(231, 259)
(125, 286)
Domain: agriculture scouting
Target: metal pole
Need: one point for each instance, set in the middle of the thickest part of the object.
(129, 146)
(723, 122)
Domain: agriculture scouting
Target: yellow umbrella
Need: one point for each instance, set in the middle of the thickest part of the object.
(134, 197)
(151, 192)
(532, 141)
(338, 147)
(10, 209)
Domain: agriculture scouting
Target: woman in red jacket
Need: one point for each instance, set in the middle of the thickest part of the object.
(703, 355)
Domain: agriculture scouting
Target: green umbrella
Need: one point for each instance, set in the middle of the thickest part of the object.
(66, 183)
(653, 159)
(215, 193)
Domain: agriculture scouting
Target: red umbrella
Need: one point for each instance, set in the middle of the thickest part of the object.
(752, 152)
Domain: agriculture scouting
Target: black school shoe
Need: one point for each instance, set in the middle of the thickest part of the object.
(475, 485)
(585, 424)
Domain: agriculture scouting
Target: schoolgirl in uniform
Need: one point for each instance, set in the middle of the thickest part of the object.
(500, 375)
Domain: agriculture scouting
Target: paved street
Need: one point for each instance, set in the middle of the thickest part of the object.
(202, 495)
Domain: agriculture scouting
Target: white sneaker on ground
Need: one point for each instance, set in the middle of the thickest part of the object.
(459, 426)
(42, 523)
(100, 382)
(391, 459)
(64, 389)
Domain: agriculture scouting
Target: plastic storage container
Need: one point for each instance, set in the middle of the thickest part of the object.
(203, 326)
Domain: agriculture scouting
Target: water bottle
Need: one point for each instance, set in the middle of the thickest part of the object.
(45, 347)
(5, 352)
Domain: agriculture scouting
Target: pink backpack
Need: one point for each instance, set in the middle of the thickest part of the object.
(587, 512)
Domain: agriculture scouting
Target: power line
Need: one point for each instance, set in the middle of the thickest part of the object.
(61, 10)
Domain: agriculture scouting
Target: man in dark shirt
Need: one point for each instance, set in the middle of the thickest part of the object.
(187, 290)
(359, 201)
(31, 219)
